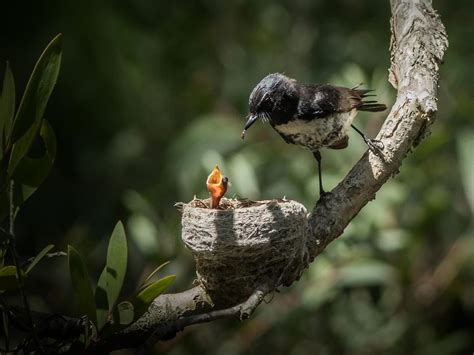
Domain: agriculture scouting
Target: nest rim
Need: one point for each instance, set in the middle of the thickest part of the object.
(228, 204)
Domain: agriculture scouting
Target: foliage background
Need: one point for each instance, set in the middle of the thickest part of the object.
(152, 94)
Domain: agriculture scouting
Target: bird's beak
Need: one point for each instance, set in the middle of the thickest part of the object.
(250, 121)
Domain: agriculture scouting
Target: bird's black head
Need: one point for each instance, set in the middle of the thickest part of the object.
(275, 98)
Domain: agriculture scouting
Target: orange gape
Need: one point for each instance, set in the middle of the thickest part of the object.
(217, 186)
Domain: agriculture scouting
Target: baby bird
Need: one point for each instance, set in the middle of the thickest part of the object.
(217, 186)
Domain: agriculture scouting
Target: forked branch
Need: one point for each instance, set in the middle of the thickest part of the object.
(418, 44)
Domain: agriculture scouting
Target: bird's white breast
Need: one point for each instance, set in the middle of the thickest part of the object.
(318, 132)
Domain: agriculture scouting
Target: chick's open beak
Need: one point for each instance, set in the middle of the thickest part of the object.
(217, 186)
(250, 121)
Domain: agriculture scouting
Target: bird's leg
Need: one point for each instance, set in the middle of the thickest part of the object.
(374, 145)
(317, 156)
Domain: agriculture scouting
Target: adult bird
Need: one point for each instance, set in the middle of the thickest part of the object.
(310, 115)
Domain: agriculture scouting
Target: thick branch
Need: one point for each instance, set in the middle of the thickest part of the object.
(241, 311)
(161, 321)
(418, 44)
(417, 47)
(171, 313)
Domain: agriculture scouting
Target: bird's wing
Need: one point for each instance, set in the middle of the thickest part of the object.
(320, 101)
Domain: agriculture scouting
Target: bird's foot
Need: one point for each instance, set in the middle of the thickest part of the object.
(374, 145)
(324, 196)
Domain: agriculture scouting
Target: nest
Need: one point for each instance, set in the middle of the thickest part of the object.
(244, 245)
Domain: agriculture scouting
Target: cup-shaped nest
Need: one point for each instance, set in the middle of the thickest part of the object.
(244, 245)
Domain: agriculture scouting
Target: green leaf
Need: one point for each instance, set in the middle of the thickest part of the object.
(81, 283)
(7, 108)
(9, 278)
(33, 104)
(123, 316)
(38, 257)
(155, 271)
(21, 147)
(125, 313)
(33, 172)
(145, 295)
(20, 195)
(111, 280)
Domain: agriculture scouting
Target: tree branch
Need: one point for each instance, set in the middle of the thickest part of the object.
(241, 311)
(418, 44)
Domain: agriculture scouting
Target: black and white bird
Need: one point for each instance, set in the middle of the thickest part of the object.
(311, 115)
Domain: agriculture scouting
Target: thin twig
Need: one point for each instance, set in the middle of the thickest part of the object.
(12, 247)
(47, 256)
(242, 311)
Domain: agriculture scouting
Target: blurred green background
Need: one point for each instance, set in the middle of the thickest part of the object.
(152, 94)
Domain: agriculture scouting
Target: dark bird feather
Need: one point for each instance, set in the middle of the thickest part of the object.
(310, 115)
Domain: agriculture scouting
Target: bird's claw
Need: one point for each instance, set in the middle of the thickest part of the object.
(324, 196)
(375, 145)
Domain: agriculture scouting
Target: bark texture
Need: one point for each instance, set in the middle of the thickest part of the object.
(417, 47)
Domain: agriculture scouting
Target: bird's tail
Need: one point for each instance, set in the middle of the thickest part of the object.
(371, 105)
